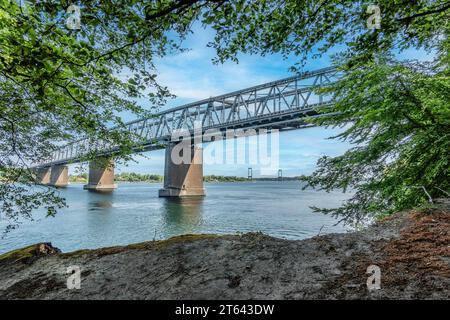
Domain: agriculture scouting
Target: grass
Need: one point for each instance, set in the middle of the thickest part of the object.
(157, 244)
(20, 254)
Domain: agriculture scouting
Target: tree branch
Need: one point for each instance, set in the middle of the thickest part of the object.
(175, 6)
(425, 13)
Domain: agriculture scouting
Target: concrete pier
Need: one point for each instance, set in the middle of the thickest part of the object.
(59, 176)
(184, 179)
(101, 176)
(42, 175)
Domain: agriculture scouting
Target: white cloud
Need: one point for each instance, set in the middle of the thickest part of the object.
(191, 75)
(197, 78)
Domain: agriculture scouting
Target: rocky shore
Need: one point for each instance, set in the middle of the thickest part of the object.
(412, 250)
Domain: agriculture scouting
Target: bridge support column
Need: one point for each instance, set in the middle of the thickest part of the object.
(101, 176)
(185, 179)
(59, 176)
(42, 175)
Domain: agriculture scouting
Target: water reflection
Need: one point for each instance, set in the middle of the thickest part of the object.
(100, 191)
(100, 220)
(183, 215)
(99, 205)
(100, 201)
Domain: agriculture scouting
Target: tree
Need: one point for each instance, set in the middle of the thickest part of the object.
(58, 84)
(400, 128)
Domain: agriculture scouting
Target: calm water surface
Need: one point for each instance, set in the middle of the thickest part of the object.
(134, 213)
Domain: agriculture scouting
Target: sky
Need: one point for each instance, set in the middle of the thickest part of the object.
(192, 76)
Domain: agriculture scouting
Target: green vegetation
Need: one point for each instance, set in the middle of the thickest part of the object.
(155, 244)
(121, 177)
(277, 179)
(19, 254)
(59, 84)
(136, 177)
(214, 178)
(80, 178)
(27, 254)
(400, 129)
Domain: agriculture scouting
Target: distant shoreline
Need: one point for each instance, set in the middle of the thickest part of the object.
(135, 177)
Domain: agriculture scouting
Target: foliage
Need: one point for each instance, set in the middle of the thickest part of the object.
(137, 177)
(123, 177)
(400, 129)
(81, 177)
(214, 178)
(59, 85)
(299, 28)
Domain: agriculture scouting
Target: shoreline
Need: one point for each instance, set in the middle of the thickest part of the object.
(209, 180)
(411, 249)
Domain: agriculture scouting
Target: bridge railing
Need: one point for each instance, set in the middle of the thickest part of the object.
(270, 100)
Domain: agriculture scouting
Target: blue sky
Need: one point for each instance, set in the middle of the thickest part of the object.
(192, 76)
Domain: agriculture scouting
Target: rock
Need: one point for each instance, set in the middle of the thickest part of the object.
(29, 254)
(47, 249)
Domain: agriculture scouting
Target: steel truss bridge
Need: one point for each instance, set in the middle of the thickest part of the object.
(282, 105)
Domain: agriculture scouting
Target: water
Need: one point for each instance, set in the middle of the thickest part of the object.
(134, 213)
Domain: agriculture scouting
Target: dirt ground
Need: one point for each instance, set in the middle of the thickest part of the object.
(412, 250)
